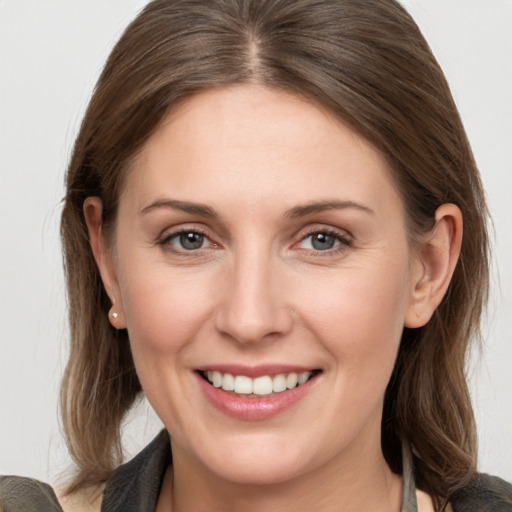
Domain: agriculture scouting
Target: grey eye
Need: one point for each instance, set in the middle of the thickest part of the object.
(322, 241)
(191, 240)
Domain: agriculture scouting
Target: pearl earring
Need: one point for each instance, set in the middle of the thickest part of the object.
(114, 314)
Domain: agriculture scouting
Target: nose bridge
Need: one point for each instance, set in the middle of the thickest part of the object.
(253, 305)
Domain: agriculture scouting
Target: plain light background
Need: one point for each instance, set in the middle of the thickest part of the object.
(51, 53)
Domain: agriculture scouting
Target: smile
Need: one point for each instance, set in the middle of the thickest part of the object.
(251, 394)
(260, 386)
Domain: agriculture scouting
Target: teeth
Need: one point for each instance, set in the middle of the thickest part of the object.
(243, 384)
(228, 382)
(279, 383)
(303, 377)
(217, 379)
(264, 385)
(291, 380)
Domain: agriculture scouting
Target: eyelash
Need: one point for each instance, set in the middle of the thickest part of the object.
(344, 242)
(165, 242)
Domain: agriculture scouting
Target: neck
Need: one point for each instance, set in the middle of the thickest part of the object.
(350, 483)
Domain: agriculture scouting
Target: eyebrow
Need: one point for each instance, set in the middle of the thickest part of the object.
(293, 213)
(185, 206)
(317, 207)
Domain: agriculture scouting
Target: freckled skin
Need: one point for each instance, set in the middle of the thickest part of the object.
(257, 291)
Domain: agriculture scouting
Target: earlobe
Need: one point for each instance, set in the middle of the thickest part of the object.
(93, 209)
(436, 260)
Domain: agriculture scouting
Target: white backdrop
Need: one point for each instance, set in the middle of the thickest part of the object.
(51, 53)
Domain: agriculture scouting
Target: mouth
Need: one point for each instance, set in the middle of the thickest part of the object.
(261, 386)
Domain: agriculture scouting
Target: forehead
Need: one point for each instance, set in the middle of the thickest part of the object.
(252, 141)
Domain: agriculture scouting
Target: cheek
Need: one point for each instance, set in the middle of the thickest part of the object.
(359, 316)
(163, 308)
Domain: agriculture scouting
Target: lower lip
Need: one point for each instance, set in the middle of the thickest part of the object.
(253, 409)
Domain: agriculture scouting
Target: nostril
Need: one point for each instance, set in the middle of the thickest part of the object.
(252, 324)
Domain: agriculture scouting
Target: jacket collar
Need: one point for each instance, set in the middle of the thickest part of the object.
(135, 486)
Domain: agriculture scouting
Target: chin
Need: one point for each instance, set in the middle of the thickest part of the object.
(261, 463)
(258, 472)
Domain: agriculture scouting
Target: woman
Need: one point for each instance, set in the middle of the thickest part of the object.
(275, 229)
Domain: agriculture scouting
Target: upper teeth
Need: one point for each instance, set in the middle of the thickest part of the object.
(264, 385)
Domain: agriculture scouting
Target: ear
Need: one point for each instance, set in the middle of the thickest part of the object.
(436, 258)
(93, 209)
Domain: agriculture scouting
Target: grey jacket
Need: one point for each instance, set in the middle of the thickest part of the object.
(135, 486)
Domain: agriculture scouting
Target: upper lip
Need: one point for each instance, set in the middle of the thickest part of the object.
(254, 371)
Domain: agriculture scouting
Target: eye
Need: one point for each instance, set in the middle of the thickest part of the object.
(187, 240)
(322, 241)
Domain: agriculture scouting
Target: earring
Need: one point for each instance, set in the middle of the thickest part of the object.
(114, 318)
(113, 314)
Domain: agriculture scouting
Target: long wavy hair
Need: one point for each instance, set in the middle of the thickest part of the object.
(367, 62)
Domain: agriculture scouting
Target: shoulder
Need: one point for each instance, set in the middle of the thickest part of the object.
(18, 494)
(136, 484)
(486, 494)
(85, 500)
(133, 486)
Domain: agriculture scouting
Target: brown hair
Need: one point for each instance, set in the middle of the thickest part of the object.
(367, 62)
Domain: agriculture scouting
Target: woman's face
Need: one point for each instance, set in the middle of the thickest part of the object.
(260, 242)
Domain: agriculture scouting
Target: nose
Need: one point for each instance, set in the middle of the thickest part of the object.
(253, 306)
